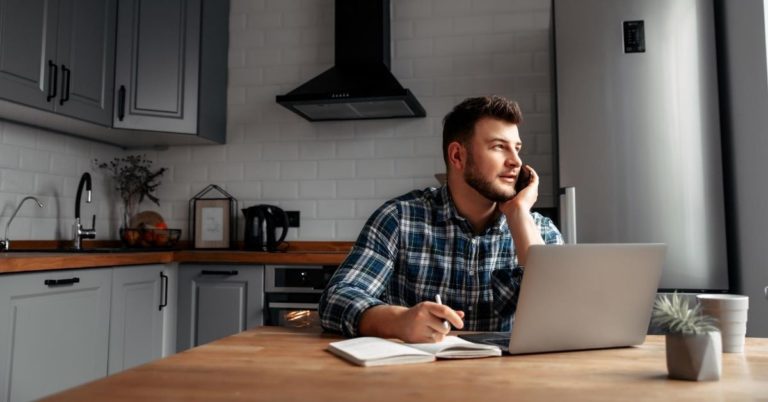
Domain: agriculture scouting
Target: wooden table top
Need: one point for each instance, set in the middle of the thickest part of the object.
(276, 364)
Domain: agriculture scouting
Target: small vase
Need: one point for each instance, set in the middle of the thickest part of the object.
(130, 209)
(696, 357)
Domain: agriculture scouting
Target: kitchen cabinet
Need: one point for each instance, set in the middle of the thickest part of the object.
(58, 55)
(54, 332)
(142, 326)
(162, 57)
(218, 300)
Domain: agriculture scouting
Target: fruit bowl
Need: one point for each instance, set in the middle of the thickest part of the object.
(150, 237)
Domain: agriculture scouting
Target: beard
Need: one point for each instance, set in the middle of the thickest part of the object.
(485, 187)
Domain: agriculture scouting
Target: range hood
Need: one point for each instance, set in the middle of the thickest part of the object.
(360, 85)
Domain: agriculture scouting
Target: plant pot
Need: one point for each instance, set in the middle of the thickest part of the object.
(694, 357)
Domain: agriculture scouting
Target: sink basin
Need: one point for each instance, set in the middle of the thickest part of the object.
(88, 250)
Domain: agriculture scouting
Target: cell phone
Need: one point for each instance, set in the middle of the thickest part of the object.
(523, 179)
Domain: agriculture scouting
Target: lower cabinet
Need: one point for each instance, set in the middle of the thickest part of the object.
(54, 331)
(59, 329)
(138, 330)
(218, 300)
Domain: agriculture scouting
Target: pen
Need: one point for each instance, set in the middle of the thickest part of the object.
(445, 322)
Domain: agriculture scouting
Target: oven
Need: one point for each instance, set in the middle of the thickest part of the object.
(292, 294)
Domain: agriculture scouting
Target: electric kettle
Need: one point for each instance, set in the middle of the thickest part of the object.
(261, 226)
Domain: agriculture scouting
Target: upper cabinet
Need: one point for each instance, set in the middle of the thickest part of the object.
(133, 67)
(161, 56)
(58, 55)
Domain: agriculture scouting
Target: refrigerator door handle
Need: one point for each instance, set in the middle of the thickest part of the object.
(568, 214)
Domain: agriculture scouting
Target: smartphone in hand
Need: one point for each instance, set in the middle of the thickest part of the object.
(523, 179)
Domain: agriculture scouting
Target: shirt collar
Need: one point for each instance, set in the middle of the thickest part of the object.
(447, 211)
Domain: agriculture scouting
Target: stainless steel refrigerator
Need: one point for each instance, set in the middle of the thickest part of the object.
(639, 131)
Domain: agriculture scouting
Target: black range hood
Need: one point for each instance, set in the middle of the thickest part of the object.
(360, 85)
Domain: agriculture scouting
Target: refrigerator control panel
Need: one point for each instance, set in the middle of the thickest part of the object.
(634, 36)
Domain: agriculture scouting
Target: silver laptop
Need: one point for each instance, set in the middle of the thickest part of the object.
(583, 296)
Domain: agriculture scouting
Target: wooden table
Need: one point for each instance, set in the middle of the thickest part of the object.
(275, 364)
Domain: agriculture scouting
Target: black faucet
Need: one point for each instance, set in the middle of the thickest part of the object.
(78, 231)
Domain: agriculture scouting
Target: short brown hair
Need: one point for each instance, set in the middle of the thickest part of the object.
(459, 124)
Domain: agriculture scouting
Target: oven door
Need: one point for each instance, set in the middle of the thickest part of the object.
(292, 294)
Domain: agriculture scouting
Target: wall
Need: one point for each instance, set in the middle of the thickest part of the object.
(336, 173)
(48, 165)
(745, 101)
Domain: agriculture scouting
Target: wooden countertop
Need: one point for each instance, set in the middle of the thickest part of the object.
(277, 364)
(313, 253)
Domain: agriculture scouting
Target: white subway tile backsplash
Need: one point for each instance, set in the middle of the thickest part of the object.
(16, 181)
(414, 167)
(277, 151)
(244, 190)
(413, 48)
(33, 160)
(243, 152)
(393, 148)
(334, 209)
(9, 156)
(317, 150)
(262, 170)
(357, 149)
(317, 229)
(225, 172)
(373, 168)
(280, 190)
(298, 170)
(209, 154)
(188, 173)
(390, 188)
(355, 189)
(47, 184)
(307, 209)
(336, 169)
(365, 207)
(318, 189)
(348, 229)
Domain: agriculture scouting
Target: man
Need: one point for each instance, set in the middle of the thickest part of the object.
(466, 241)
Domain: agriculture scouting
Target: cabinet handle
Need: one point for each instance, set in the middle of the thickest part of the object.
(60, 282)
(65, 77)
(53, 73)
(219, 273)
(121, 103)
(164, 290)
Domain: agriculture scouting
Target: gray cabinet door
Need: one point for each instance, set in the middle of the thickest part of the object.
(157, 65)
(136, 324)
(52, 336)
(86, 54)
(217, 301)
(27, 64)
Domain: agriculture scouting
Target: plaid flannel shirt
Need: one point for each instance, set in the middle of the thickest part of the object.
(417, 246)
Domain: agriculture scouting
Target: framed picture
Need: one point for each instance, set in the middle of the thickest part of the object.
(212, 223)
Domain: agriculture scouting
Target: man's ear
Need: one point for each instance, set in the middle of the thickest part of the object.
(457, 156)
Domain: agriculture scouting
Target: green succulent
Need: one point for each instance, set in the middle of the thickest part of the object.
(675, 315)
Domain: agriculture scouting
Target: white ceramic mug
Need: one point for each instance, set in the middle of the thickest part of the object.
(730, 311)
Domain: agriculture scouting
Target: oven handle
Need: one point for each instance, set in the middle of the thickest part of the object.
(304, 306)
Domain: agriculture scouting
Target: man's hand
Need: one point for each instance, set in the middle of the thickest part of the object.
(422, 323)
(518, 213)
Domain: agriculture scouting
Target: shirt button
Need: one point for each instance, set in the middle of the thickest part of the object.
(471, 273)
(469, 308)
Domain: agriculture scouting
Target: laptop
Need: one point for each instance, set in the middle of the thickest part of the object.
(582, 296)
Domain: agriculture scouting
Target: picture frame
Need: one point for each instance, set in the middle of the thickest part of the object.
(212, 223)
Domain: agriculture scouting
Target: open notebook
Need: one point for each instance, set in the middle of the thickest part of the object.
(372, 351)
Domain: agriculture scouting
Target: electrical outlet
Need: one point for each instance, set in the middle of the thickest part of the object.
(293, 218)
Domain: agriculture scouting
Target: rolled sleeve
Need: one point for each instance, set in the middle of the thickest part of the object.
(363, 276)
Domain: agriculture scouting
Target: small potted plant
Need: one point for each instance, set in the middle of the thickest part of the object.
(134, 180)
(693, 342)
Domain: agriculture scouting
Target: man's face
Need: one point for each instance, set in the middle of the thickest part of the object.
(492, 159)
